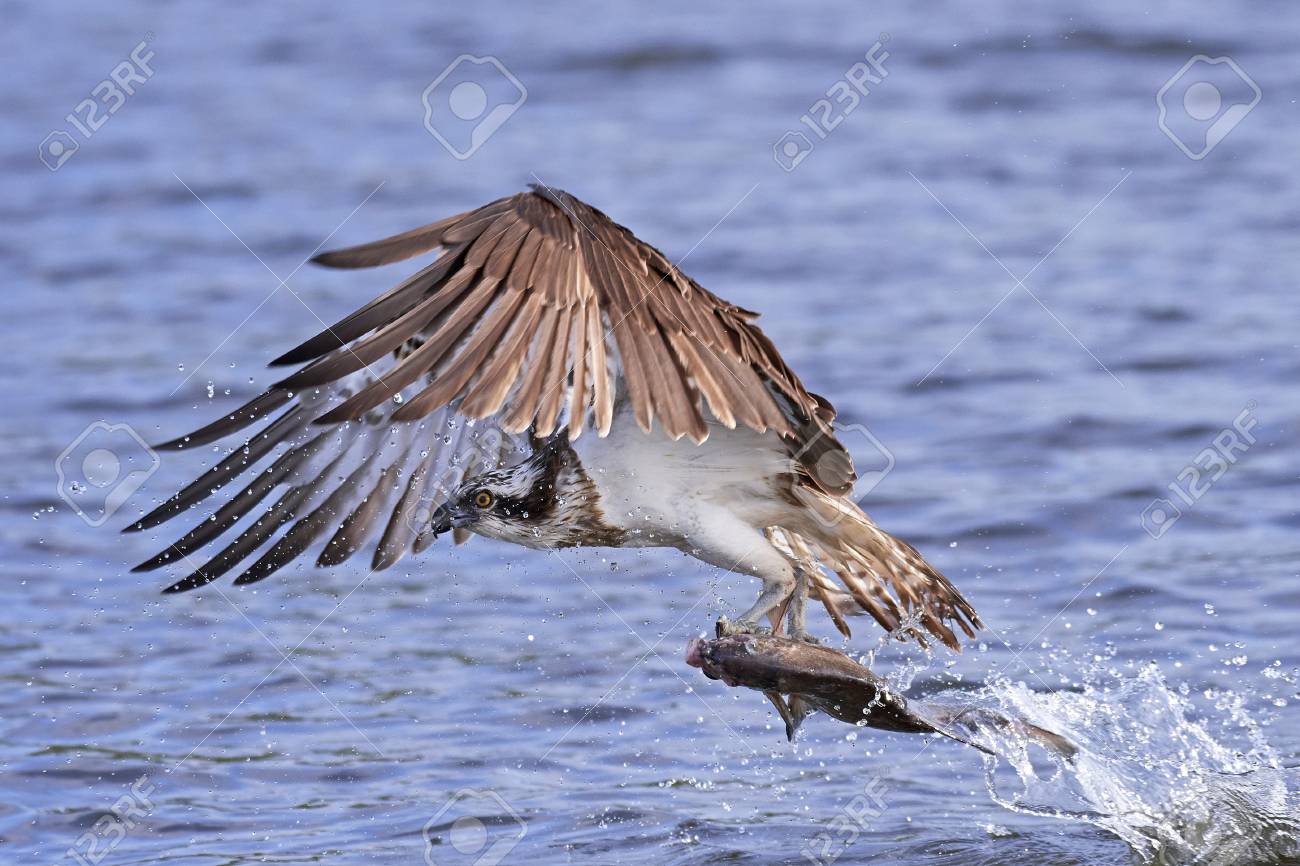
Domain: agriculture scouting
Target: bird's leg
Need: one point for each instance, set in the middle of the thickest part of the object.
(798, 608)
(776, 616)
(776, 590)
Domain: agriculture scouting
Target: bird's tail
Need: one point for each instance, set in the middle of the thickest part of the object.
(885, 576)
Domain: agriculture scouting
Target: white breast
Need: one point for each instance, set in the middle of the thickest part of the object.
(676, 494)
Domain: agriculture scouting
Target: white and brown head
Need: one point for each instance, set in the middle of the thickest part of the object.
(545, 501)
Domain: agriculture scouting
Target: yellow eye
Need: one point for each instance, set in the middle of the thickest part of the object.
(483, 499)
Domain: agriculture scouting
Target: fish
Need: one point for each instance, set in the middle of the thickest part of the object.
(800, 677)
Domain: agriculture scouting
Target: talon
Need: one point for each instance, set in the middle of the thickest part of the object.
(805, 637)
(725, 627)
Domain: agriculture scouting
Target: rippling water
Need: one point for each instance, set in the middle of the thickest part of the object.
(1030, 427)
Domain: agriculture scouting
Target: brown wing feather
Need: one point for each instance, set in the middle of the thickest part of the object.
(388, 250)
(451, 379)
(548, 242)
(602, 387)
(557, 370)
(529, 394)
(578, 399)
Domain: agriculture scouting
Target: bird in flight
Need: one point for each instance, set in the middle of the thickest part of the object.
(551, 380)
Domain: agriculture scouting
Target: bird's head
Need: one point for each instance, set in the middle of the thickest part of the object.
(536, 503)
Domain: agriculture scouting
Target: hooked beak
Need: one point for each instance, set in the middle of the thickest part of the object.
(445, 519)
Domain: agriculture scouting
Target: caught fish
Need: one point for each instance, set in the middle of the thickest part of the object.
(799, 677)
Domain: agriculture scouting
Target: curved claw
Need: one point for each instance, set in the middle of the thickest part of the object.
(726, 628)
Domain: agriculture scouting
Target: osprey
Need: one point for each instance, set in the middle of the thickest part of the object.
(551, 380)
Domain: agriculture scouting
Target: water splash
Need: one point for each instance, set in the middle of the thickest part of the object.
(1178, 785)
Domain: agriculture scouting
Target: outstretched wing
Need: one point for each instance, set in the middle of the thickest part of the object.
(346, 482)
(539, 312)
(524, 302)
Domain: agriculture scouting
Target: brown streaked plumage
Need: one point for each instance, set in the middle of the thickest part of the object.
(583, 273)
(544, 327)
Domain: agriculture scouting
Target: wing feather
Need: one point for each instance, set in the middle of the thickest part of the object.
(634, 376)
(238, 506)
(549, 242)
(494, 383)
(602, 382)
(395, 248)
(419, 362)
(578, 393)
(451, 379)
(400, 531)
(358, 525)
(529, 394)
(306, 530)
(557, 364)
(703, 374)
(257, 408)
(374, 314)
(253, 450)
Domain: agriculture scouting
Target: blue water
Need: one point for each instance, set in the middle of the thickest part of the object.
(1025, 450)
